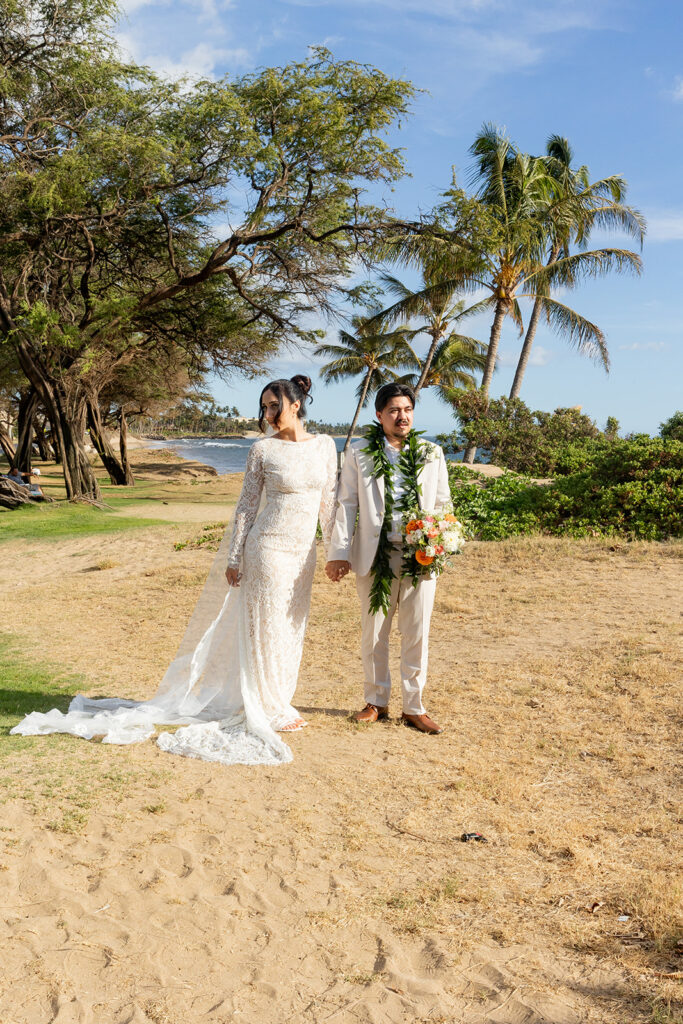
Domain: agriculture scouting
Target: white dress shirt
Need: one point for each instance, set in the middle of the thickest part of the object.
(395, 535)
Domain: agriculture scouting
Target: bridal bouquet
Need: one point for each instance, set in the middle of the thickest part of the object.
(430, 539)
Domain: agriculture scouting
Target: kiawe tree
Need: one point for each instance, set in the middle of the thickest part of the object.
(113, 181)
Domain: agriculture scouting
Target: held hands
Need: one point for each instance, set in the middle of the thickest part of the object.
(233, 576)
(337, 570)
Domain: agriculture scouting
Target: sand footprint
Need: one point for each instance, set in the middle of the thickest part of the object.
(175, 860)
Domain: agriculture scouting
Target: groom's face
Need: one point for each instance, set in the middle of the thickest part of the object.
(396, 418)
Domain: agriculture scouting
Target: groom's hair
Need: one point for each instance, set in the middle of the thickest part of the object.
(389, 391)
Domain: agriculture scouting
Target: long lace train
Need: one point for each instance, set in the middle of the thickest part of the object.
(213, 730)
(231, 683)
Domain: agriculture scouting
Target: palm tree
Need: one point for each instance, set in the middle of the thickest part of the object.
(372, 352)
(454, 362)
(433, 304)
(516, 195)
(579, 206)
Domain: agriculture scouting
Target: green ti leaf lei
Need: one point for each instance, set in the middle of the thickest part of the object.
(411, 461)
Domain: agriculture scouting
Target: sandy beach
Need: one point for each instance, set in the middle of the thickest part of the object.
(139, 887)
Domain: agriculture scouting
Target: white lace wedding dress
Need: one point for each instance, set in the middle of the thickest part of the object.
(233, 689)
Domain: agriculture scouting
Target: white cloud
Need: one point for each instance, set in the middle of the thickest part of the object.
(539, 356)
(498, 51)
(128, 7)
(507, 358)
(198, 62)
(451, 9)
(665, 226)
(207, 8)
(677, 91)
(645, 346)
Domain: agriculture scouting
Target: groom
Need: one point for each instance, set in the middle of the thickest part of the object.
(381, 477)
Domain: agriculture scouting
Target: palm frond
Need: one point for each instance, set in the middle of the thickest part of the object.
(558, 148)
(614, 216)
(417, 304)
(585, 336)
(516, 314)
(395, 287)
(340, 369)
(569, 270)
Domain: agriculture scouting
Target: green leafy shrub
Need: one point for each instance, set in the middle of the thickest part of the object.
(493, 508)
(672, 429)
(514, 436)
(630, 487)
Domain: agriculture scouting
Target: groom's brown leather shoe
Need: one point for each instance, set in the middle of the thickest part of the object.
(371, 713)
(422, 722)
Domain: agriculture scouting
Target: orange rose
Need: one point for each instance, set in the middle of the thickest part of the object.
(422, 558)
(412, 526)
(450, 518)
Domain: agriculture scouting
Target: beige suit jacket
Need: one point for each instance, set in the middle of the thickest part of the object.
(360, 505)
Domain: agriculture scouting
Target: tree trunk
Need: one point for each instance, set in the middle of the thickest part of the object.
(54, 442)
(7, 445)
(494, 340)
(526, 349)
(67, 419)
(13, 495)
(28, 405)
(361, 403)
(117, 473)
(530, 335)
(428, 362)
(41, 440)
(123, 447)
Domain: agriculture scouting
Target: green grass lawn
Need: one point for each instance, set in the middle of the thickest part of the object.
(59, 778)
(62, 519)
(29, 685)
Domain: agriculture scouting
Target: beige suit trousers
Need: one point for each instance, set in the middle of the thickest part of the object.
(414, 606)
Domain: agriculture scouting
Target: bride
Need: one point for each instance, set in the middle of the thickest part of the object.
(232, 690)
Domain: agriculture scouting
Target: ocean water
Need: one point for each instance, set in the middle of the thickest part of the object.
(226, 455)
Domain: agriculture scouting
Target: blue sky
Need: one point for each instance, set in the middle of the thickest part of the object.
(608, 76)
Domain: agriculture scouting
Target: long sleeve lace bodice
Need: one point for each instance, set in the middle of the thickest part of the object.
(326, 511)
(248, 504)
(299, 479)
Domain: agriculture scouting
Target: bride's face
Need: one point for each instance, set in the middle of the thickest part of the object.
(271, 406)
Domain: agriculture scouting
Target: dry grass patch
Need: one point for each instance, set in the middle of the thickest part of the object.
(555, 671)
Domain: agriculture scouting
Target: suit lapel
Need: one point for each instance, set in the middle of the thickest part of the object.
(421, 474)
(376, 484)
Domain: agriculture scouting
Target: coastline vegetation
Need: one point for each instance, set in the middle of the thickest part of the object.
(152, 303)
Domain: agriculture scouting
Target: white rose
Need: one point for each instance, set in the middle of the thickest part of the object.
(430, 551)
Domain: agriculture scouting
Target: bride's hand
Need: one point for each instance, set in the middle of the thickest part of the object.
(233, 576)
(337, 569)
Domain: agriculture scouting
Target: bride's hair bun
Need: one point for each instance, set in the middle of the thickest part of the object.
(302, 382)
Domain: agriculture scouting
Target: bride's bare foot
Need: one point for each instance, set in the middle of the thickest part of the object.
(294, 726)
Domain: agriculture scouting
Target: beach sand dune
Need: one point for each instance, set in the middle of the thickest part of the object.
(138, 887)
